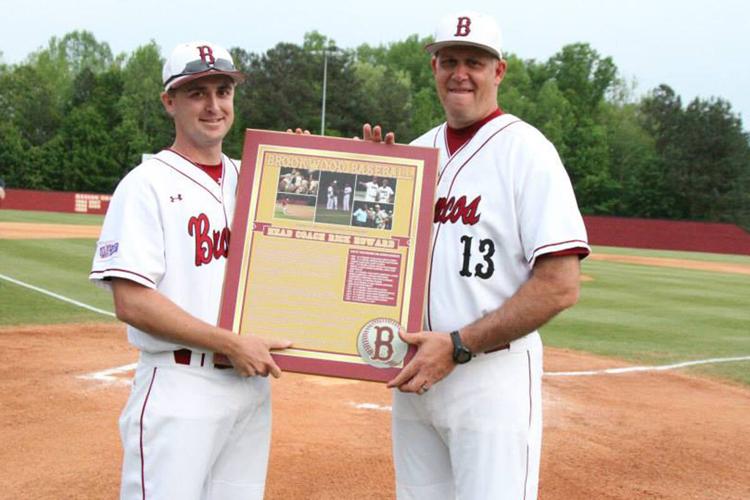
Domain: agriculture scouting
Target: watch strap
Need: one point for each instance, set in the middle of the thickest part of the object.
(461, 353)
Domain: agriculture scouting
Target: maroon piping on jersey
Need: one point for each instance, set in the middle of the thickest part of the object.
(585, 253)
(531, 393)
(186, 175)
(103, 271)
(198, 164)
(143, 411)
(221, 186)
(447, 148)
(236, 170)
(437, 231)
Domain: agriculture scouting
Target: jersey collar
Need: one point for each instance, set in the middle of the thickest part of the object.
(191, 170)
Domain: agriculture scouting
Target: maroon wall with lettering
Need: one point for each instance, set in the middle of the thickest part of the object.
(55, 201)
(606, 231)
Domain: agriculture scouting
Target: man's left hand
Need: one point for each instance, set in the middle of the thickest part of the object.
(375, 134)
(298, 131)
(432, 362)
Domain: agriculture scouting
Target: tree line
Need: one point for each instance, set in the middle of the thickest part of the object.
(78, 118)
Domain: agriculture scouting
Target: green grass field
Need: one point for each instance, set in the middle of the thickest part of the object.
(60, 266)
(295, 213)
(659, 315)
(643, 314)
(50, 217)
(326, 216)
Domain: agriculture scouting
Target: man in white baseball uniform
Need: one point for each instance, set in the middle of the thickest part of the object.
(193, 428)
(371, 189)
(508, 237)
(347, 197)
(332, 201)
(381, 217)
(385, 192)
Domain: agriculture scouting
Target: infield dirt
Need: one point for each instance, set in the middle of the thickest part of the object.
(33, 231)
(638, 435)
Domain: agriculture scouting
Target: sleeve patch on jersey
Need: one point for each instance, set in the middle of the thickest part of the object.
(108, 249)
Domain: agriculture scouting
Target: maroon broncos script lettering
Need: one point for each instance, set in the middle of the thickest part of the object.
(208, 247)
(452, 209)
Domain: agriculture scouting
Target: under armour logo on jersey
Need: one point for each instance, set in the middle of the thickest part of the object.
(207, 54)
(176, 198)
(452, 209)
(463, 27)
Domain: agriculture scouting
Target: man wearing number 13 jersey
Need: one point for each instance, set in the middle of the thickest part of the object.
(508, 237)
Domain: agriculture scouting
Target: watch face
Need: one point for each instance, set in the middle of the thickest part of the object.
(463, 356)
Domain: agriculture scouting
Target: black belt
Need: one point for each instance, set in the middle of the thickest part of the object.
(184, 356)
(500, 348)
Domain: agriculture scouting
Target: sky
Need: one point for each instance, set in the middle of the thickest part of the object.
(700, 49)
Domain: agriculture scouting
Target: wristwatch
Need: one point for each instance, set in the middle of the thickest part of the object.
(461, 353)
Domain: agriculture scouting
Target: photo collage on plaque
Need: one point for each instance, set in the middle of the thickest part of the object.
(335, 198)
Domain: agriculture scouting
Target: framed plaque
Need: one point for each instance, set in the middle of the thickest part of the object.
(330, 249)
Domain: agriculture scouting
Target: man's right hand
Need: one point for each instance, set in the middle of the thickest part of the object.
(432, 362)
(251, 355)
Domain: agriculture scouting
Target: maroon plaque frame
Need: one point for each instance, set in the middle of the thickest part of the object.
(262, 225)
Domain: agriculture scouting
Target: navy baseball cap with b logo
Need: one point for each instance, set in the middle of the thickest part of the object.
(189, 61)
(469, 29)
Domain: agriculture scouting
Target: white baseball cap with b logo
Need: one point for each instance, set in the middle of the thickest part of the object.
(192, 60)
(468, 28)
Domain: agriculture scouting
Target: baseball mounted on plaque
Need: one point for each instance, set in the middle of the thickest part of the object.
(330, 249)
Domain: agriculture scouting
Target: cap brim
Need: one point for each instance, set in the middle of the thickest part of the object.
(237, 76)
(432, 48)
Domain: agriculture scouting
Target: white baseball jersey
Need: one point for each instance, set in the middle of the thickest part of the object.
(506, 198)
(503, 199)
(187, 431)
(332, 201)
(384, 194)
(371, 190)
(381, 218)
(167, 210)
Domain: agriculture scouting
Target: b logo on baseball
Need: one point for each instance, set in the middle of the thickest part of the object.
(379, 345)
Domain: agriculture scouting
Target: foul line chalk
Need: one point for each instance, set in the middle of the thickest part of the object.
(608, 371)
(370, 406)
(632, 369)
(56, 296)
(110, 375)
